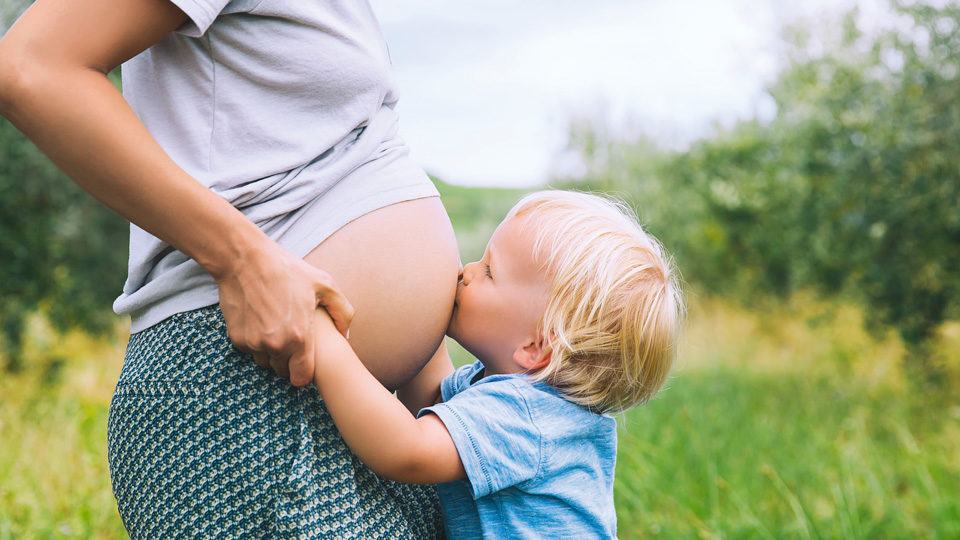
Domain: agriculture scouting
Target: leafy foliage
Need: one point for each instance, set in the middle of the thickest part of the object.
(62, 251)
(852, 188)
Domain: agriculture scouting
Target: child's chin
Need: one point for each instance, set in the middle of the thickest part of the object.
(453, 332)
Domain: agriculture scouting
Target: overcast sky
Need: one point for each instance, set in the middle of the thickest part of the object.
(489, 87)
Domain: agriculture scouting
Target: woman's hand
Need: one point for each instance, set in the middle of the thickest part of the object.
(269, 299)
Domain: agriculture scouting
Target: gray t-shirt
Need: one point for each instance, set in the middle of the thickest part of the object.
(286, 110)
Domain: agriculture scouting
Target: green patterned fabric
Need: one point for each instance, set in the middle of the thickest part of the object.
(203, 443)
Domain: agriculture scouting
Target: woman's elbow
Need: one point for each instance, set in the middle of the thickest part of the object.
(28, 71)
(11, 78)
(21, 74)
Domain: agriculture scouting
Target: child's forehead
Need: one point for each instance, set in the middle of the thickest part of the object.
(513, 241)
(517, 231)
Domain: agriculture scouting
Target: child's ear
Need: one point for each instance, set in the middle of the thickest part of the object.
(532, 356)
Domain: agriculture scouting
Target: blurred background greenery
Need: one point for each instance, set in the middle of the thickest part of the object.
(816, 390)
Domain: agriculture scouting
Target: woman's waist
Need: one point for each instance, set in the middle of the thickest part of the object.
(183, 354)
(162, 281)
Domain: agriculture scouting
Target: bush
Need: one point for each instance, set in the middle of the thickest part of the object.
(853, 188)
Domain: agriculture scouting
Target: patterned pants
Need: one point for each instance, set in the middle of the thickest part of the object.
(204, 443)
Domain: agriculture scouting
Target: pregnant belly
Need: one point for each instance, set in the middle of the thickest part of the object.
(398, 267)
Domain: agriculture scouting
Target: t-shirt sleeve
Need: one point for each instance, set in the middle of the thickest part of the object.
(201, 14)
(457, 381)
(498, 442)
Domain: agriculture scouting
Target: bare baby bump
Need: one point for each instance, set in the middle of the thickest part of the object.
(398, 267)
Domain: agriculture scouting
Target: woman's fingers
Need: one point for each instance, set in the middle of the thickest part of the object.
(280, 365)
(262, 359)
(300, 368)
(269, 303)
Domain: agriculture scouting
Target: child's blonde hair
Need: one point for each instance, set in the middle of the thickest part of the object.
(613, 316)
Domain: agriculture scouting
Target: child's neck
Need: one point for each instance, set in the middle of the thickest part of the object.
(500, 367)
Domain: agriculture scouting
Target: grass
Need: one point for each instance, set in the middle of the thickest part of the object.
(54, 481)
(736, 446)
(739, 454)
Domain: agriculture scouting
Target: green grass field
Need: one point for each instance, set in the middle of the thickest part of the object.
(782, 422)
(791, 445)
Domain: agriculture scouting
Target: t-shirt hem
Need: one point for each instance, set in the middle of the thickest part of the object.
(332, 224)
(208, 294)
(168, 307)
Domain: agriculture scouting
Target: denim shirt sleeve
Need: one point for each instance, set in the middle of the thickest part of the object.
(498, 442)
(459, 380)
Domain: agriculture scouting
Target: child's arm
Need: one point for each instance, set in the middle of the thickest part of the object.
(424, 389)
(374, 424)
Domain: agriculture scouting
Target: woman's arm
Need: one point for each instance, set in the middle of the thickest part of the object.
(53, 87)
(424, 389)
(374, 424)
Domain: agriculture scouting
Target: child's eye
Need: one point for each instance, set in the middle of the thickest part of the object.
(487, 267)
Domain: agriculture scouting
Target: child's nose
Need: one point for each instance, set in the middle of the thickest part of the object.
(466, 274)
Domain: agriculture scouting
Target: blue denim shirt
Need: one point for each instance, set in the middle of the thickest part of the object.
(538, 466)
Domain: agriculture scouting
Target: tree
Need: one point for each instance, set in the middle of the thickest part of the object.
(61, 251)
(853, 188)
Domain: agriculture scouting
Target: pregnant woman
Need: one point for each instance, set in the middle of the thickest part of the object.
(256, 155)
